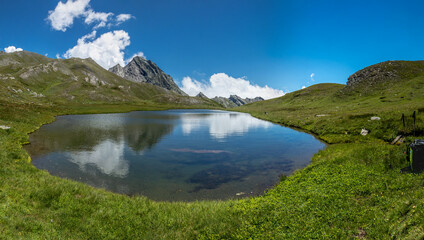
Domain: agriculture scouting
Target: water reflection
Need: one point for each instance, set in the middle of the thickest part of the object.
(107, 157)
(222, 124)
(91, 133)
(171, 155)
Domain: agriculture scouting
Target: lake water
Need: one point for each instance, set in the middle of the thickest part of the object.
(175, 155)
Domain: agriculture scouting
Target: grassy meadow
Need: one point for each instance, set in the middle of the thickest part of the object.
(352, 189)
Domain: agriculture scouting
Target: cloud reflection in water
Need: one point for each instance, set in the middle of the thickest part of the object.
(107, 157)
(222, 124)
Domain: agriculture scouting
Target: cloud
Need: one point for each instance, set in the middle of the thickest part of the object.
(63, 15)
(220, 84)
(11, 49)
(139, 54)
(58, 56)
(89, 36)
(303, 87)
(123, 18)
(100, 17)
(106, 50)
(312, 77)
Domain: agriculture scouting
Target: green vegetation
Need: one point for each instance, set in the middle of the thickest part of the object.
(352, 189)
(34, 204)
(32, 78)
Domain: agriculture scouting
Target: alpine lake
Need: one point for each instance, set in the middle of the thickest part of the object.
(174, 155)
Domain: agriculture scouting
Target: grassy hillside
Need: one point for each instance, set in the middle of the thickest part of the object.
(326, 109)
(32, 78)
(352, 189)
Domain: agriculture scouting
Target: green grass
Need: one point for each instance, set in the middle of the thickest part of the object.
(347, 192)
(34, 204)
(352, 189)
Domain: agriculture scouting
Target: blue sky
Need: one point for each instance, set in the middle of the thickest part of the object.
(242, 43)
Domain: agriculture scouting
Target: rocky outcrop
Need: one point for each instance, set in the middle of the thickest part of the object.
(235, 101)
(383, 75)
(145, 71)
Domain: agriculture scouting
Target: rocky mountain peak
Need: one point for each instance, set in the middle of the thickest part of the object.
(201, 95)
(237, 100)
(118, 70)
(146, 71)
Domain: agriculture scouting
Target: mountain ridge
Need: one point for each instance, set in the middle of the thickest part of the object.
(235, 101)
(29, 77)
(142, 70)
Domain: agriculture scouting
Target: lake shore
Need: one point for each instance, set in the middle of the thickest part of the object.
(351, 189)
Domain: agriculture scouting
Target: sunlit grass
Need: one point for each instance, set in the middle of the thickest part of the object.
(352, 189)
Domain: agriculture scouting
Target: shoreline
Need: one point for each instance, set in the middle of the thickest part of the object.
(339, 167)
(225, 110)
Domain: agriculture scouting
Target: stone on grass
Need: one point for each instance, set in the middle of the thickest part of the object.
(364, 132)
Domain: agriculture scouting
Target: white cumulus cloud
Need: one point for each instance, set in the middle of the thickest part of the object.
(63, 15)
(100, 17)
(123, 18)
(11, 49)
(106, 50)
(220, 84)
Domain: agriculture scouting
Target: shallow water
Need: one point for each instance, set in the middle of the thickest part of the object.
(172, 155)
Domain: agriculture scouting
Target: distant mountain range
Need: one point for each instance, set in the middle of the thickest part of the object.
(31, 77)
(232, 101)
(142, 70)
